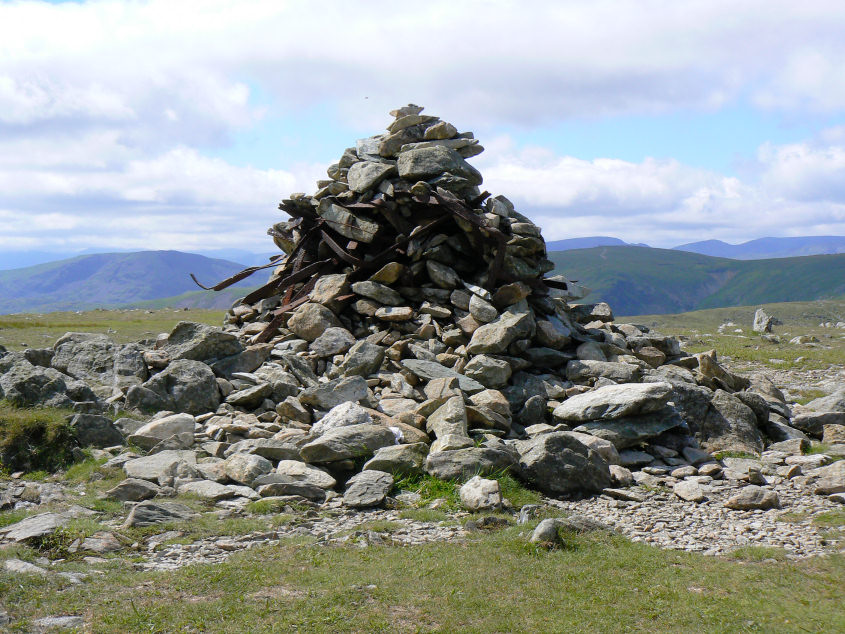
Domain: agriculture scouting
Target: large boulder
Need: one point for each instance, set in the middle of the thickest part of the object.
(753, 497)
(495, 337)
(341, 443)
(729, 425)
(430, 162)
(98, 360)
(183, 386)
(630, 431)
(312, 320)
(462, 464)
(150, 513)
(343, 415)
(327, 395)
(25, 384)
(94, 430)
(580, 371)
(33, 527)
(399, 459)
(244, 468)
(432, 370)
(762, 322)
(200, 342)
(813, 423)
(149, 435)
(480, 494)
(614, 401)
(304, 472)
(363, 359)
(556, 463)
(831, 403)
(367, 489)
(163, 466)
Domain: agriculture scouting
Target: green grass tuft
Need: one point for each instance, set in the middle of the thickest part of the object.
(758, 553)
(430, 489)
(830, 519)
(35, 439)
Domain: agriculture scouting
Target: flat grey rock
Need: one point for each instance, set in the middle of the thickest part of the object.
(614, 401)
(367, 489)
(33, 527)
(149, 513)
(429, 370)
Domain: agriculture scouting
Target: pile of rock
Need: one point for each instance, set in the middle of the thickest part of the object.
(407, 329)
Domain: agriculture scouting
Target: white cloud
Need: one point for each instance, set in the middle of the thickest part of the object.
(110, 110)
(665, 203)
(804, 171)
(495, 62)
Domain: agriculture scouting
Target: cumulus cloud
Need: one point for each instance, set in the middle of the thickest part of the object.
(665, 203)
(92, 191)
(111, 112)
(532, 62)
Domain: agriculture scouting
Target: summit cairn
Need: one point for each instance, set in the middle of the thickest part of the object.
(408, 299)
(400, 233)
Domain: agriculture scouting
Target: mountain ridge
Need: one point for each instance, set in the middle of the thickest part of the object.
(638, 281)
(768, 248)
(108, 280)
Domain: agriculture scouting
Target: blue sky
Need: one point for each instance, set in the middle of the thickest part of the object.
(182, 123)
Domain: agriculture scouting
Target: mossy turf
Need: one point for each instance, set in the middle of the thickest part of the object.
(491, 583)
(34, 439)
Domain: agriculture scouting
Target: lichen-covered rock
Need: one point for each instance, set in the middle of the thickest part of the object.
(183, 386)
(556, 463)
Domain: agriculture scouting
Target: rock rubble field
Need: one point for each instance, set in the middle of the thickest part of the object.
(408, 332)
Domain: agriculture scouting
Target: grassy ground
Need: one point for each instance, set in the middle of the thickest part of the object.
(41, 330)
(699, 328)
(493, 582)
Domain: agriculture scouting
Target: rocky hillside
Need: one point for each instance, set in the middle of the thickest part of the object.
(640, 281)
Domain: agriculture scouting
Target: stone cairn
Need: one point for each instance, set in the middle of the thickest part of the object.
(408, 328)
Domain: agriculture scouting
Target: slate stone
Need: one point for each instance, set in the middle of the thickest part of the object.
(753, 497)
(367, 489)
(150, 434)
(462, 464)
(200, 342)
(425, 163)
(33, 527)
(556, 463)
(94, 430)
(133, 490)
(430, 370)
(630, 431)
(183, 386)
(399, 459)
(614, 401)
(343, 443)
(150, 513)
(729, 425)
(365, 175)
(327, 395)
(161, 466)
(349, 413)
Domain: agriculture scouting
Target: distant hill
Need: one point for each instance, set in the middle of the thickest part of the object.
(640, 281)
(585, 243)
(765, 248)
(111, 279)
